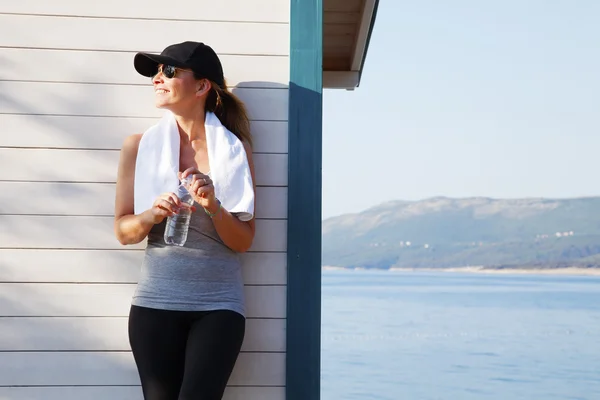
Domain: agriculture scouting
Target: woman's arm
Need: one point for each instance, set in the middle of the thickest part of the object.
(130, 228)
(237, 235)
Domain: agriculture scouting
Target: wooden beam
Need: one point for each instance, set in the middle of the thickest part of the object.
(340, 79)
(303, 316)
(363, 35)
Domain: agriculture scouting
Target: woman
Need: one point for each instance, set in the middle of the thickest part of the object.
(187, 321)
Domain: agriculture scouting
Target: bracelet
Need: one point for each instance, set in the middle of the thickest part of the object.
(216, 212)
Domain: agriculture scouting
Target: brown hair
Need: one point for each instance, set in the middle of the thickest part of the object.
(230, 110)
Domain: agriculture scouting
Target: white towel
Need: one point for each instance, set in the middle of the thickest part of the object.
(157, 165)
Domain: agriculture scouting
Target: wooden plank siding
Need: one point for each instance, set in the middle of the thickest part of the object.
(108, 100)
(126, 393)
(96, 233)
(107, 133)
(116, 67)
(112, 34)
(114, 266)
(49, 334)
(67, 102)
(75, 198)
(117, 368)
(265, 11)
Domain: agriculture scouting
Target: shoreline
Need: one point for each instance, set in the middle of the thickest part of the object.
(482, 270)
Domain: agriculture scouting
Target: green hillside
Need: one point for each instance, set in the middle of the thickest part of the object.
(445, 232)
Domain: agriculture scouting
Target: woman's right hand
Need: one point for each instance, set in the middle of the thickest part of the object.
(165, 205)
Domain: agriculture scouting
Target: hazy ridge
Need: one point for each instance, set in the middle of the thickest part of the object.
(446, 232)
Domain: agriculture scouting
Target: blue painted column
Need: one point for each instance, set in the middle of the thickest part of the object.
(303, 365)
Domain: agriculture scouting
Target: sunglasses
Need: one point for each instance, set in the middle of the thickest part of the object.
(168, 71)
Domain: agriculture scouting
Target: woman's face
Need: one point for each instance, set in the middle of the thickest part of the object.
(176, 92)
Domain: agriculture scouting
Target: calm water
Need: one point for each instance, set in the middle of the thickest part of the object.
(429, 336)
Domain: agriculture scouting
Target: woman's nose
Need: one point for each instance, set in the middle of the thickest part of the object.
(158, 78)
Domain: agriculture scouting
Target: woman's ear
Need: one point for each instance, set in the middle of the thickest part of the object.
(202, 87)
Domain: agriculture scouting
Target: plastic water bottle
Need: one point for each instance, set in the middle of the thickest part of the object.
(176, 229)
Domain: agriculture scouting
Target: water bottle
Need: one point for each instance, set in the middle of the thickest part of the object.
(176, 229)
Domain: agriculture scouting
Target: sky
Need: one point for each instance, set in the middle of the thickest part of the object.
(468, 98)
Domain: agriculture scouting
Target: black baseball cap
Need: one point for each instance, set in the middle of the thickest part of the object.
(196, 56)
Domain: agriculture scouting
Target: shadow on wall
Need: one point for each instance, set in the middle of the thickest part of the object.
(44, 346)
(52, 332)
(267, 106)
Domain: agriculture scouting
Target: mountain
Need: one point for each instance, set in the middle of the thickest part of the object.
(478, 231)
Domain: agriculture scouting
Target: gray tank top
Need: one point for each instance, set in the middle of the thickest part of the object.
(202, 275)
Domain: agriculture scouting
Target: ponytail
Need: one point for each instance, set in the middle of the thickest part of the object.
(230, 110)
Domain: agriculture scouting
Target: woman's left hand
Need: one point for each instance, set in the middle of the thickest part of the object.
(202, 189)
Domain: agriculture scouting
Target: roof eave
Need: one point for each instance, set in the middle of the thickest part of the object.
(371, 23)
(350, 79)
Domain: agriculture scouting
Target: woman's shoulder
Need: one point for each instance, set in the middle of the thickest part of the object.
(131, 143)
(129, 151)
(132, 140)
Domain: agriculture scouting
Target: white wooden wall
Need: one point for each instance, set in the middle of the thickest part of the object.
(68, 97)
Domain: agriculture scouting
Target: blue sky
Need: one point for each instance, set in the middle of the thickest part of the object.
(468, 98)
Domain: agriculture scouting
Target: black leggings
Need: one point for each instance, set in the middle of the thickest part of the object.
(185, 355)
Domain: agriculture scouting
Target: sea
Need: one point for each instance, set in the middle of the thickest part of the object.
(391, 335)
